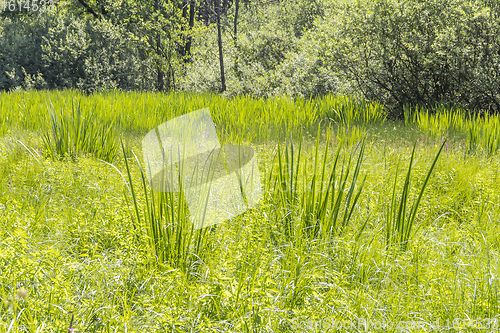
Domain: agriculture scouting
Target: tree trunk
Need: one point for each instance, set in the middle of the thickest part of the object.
(219, 35)
(182, 48)
(191, 25)
(89, 9)
(160, 76)
(235, 35)
(224, 7)
(206, 12)
(237, 7)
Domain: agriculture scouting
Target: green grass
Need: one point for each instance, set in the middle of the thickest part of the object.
(170, 237)
(398, 224)
(86, 242)
(310, 199)
(242, 117)
(79, 132)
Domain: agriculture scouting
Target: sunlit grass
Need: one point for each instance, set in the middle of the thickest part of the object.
(398, 224)
(84, 239)
(76, 131)
(242, 117)
(311, 194)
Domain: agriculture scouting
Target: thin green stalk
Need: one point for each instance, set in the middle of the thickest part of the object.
(398, 224)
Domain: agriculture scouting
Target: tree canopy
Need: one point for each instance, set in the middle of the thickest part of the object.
(398, 52)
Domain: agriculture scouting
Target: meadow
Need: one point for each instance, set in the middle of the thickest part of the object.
(376, 224)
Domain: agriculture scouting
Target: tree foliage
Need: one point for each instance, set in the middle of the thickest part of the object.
(417, 52)
(95, 45)
(398, 52)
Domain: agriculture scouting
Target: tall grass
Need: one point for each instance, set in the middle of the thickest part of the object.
(399, 224)
(162, 220)
(437, 121)
(319, 199)
(483, 134)
(348, 111)
(329, 211)
(350, 135)
(480, 130)
(243, 117)
(79, 131)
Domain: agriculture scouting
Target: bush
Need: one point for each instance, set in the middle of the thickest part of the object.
(90, 55)
(63, 50)
(415, 51)
(21, 54)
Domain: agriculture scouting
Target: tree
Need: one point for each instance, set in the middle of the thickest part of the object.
(159, 69)
(219, 40)
(159, 28)
(235, 34)
(186, 49)
(417, 52)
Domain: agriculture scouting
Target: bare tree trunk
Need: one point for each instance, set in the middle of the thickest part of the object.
(182, 46)
(224, 6)
(235, 35)
(160, 76)
(185, 4)
(219, 35)
(191, 25)
(237, 7)
(206, 12)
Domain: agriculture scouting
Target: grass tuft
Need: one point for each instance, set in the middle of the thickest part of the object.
(310, 194)
(78, 132)
(169, 235)
(398, 224)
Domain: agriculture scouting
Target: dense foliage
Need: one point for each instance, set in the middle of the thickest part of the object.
(398, 52)
(417, 52)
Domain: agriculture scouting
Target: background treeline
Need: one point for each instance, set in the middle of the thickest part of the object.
(398, 52)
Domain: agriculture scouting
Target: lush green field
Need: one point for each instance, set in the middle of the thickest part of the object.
(344, 233)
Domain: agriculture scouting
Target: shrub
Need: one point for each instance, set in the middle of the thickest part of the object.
(63, 50)
(90, 55)
(417, 52)
(21, 54)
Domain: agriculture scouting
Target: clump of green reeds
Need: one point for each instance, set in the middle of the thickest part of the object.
(252, 119)
(436, 121)
(321, 194)
(162, 222)
(484, 134)
(78, 132)
(399, 224)
(346, 110)
(480, 130)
